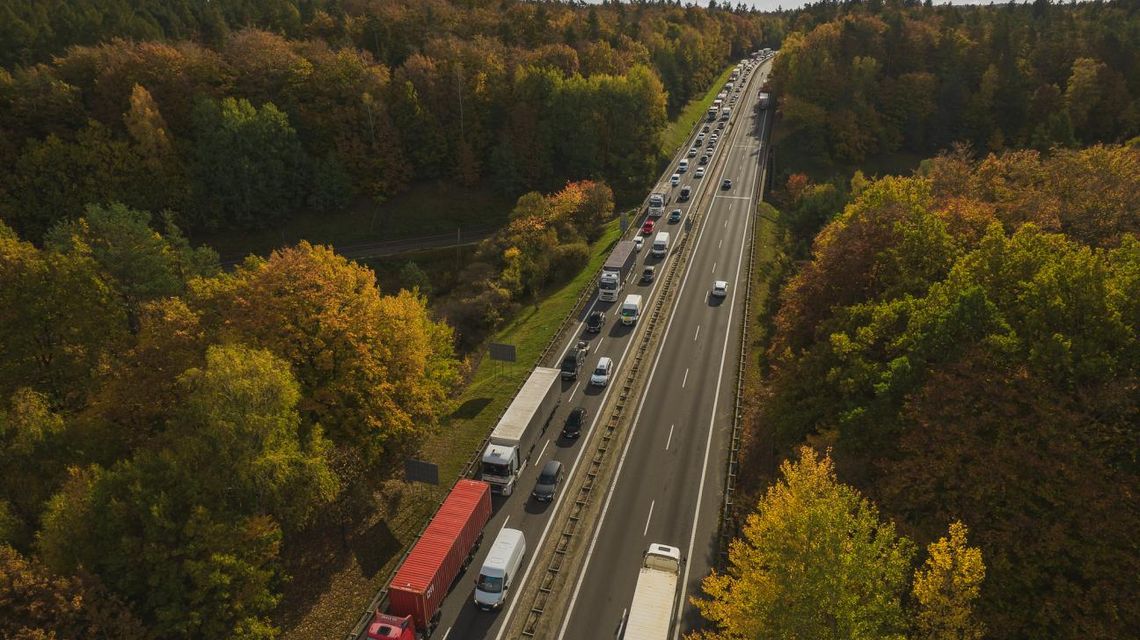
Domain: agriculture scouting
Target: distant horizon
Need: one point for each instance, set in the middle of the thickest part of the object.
(777, 5)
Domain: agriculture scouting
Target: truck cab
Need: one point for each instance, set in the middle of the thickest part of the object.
(386, 627)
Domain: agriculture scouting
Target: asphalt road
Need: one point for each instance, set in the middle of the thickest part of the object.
(668, 486)
(459, 618)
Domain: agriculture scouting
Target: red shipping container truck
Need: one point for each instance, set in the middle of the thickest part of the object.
(444, 549)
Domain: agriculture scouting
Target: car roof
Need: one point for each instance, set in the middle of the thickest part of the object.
(604, 361)
(720, 283)
(551, 466)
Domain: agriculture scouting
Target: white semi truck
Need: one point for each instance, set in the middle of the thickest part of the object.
(616, 270)
(513, 439)
(657, 202)
(655, 597)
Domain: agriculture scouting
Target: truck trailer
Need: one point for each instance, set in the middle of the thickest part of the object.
(615, 270)
(655, 596)
(430, 568)
(514, 436)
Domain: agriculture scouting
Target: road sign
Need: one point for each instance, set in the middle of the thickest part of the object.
(504, 352)
(420, 471)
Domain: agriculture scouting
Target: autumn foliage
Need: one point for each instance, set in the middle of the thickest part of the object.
(966, 341)
(165, 427)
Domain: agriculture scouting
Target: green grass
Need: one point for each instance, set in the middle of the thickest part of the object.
(336, 576)
(428, 208)
(493, 384)
(678, 130)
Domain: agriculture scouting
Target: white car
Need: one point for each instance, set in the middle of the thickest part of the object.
(693, 152)
(720, 289)
(675, 179)
(700, 172)
(638, 242)
(601, 375)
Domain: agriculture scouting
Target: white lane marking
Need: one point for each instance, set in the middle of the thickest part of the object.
(725, 226)
(733, 197)
(575, 389)
(621, 461)
(685, 379)
(581, 450)
(697, 333)
(670, 438)
(508, 519)
(447, 633)
(647, 519)
(719, 242)
(539, 458)
(714, 268)
(712, 423)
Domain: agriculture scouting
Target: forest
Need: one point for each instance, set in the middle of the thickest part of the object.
(963, 341)
(236, 115)
(949, 362)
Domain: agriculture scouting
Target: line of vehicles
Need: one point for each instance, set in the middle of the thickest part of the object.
(449, 543)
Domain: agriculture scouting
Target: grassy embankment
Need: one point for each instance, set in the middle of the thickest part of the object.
(678, 131)
(331, 588)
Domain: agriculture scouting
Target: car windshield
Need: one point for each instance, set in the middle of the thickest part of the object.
(494, 469)
(600, 371)
(489, 584)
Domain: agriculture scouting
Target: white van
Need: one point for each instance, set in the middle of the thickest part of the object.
(631, 309)
(684, 165)
(660, 244)
(503, 563)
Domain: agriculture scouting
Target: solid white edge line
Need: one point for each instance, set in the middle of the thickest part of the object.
(712, 422)
(558, 501)
(625, 450)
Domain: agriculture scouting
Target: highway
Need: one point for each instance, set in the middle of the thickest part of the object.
(669, 482)
(459, 618)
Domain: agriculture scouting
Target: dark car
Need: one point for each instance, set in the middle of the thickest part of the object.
(548, 481)
(705, 159)
(675, 215)
(726, 185)
(595, 321)
(647, 274)
(574, 422)
(575, 358)
(685, 191)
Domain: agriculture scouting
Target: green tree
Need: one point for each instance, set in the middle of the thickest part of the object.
(247, 164)
(814, 561)
(140, 263)
(945, 588)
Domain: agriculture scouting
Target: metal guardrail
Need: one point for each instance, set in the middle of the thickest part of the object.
(468, 470)
(547, 584)
(728, 528)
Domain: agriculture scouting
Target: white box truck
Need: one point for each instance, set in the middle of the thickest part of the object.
(660, 244)
(513, 439)
(631, 309)
(616, 270)
(655, 596)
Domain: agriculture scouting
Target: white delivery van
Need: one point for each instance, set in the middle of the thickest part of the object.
(501, 567)
(684, 165)
(660, 244)
(631, 309)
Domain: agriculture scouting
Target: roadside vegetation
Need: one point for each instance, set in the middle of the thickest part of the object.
(681, 127)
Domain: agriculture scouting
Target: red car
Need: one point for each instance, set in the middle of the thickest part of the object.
(647, 228)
